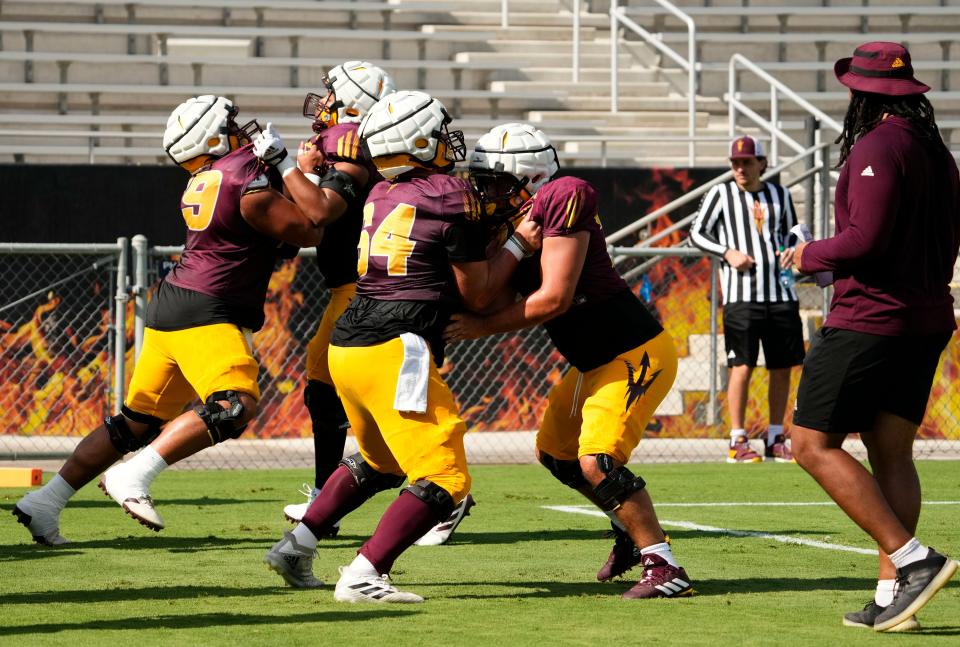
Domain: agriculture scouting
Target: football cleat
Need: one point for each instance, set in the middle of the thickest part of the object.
(132, 497)
(660, 580)
(295, 511)
(917, 583)
(741, 452)
(624, 556)
(292, 562)
(868, 616)
(41, 518)
(778, 451)
(370, 588)
(442, 532)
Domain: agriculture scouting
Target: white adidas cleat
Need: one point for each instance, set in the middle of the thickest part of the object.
(295, 511)
(442, 532)
(133, 497)
(41, 518)
(292, 562)
(370, 588)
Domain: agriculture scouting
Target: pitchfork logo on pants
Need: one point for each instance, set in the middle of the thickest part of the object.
(637, 388)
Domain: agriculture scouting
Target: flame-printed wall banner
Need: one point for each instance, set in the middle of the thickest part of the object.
(56, 352)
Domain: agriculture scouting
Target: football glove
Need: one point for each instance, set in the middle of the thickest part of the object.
(268, 146)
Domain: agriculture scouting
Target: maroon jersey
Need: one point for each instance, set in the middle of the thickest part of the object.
(606, 319)
(336, 254)
(224, 257)
(413, 228)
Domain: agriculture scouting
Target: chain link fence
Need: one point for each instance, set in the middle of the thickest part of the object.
(59, 319)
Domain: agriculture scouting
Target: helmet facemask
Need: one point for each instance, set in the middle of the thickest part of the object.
(324, 110)
(501, 194)
(451, 147)
(240, 135)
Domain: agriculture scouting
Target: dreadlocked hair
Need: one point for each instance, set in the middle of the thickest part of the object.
(866, 110)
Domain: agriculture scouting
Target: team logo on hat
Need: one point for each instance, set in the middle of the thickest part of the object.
(897, 62)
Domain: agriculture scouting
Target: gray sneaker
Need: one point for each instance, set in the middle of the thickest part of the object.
(917, 583)
(867, 617)
(292, 562)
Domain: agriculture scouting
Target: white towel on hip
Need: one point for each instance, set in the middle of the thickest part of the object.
(414, 375)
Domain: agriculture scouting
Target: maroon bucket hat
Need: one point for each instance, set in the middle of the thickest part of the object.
(880, 68)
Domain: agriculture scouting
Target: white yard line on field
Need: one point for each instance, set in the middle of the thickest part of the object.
(593, 512)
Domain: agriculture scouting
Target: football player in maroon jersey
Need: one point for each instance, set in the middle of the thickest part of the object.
(199, 323)
(623, 362)
(421, 257)
(351, 90)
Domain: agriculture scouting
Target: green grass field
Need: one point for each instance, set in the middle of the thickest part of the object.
(516, 573)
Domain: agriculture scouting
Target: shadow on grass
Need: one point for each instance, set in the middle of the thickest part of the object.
(128, 593)
(707, 587)
(205, 620)
(16, 552)
(567, 534)
(202, 501)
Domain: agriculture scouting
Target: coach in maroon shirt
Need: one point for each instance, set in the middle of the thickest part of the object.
(871, 367)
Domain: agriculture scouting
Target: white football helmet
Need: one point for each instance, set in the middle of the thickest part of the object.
(520, 151)
(408, 129)
(205, 125)
(352, 89)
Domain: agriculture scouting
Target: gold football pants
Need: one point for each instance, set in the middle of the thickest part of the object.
(422, 446)
(340, 298)
(177, 366)
(605, 410)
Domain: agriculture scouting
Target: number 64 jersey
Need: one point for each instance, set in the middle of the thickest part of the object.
(413, 228)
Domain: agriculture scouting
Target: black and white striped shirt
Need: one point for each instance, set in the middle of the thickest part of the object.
(728, 219)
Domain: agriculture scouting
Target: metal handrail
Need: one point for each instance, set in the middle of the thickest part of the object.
(575, 41)
(683, 222)
(777, 88)
(618, 16)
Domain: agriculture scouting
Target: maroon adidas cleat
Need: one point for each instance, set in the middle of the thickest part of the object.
(624, 556)
(660, 580)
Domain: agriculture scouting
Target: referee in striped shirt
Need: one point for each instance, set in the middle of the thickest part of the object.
(746, 222)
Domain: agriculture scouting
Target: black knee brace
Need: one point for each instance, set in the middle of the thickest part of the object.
(122, 437)
(370, 480)
(618, 484)
(434, 496)
(567, 472)
(219, 421)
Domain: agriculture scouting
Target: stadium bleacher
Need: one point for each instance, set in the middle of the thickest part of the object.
(116, 58)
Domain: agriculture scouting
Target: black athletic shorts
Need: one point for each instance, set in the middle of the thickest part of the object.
(777, 325)
(850, 376)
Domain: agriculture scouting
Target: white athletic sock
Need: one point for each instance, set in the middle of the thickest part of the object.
(614, 520)
(305, 538)
(884, 595)
(146, 465)
(736, 433)
(57, 491)
(772, 432)
(663, 550)
(362, 567)
(910, 552)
